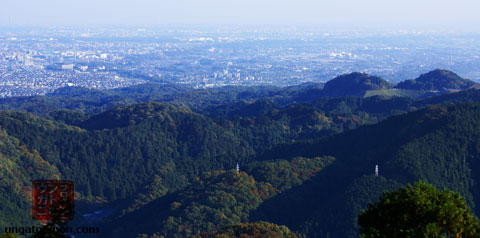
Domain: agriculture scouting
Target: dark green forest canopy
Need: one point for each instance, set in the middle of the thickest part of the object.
(354, 84)
(419, 211)
(91, 101)
(252, 230)
(436, 80)
(439, 144)
(220, 198)
(114, 164)
(306, 161)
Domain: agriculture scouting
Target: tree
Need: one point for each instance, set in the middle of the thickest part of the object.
(419, 211)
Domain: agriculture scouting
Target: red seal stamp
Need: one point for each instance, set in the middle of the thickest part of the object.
(52, 200)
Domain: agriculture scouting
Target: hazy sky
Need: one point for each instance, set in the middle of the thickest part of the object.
(403, 13)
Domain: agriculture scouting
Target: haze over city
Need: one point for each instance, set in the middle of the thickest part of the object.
(49, 44)
(460, 14)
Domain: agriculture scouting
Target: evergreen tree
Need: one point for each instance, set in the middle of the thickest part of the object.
(419, 211)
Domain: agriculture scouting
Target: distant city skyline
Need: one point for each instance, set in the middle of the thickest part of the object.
(435, 14)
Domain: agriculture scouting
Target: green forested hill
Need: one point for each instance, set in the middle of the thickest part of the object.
(18, 167)
(436, 80)
(439, 144)
(124, 116)
(131, 153)
(92, 101)
(217, 198)
(117, 163)
(353, 84)
(169, 165)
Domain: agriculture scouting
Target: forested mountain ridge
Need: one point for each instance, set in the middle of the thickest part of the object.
(116, 163)
(218, 198)
(138, 158)
(426, 146)
(91, 101)
(18, 167)
(123, 116)
(354, 84)
(439, 144)
(436, 80)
